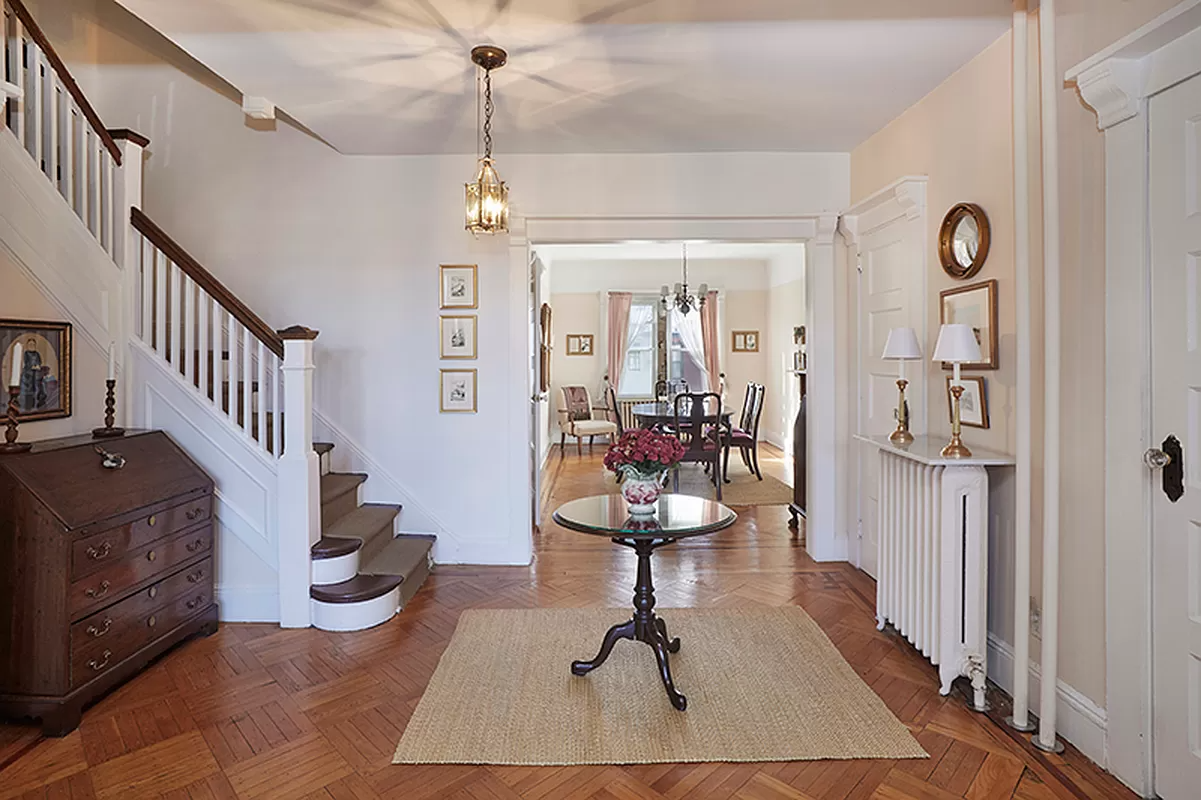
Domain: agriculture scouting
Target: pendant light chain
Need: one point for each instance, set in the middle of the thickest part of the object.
(488, 108)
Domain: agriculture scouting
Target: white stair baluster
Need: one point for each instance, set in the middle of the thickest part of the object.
(17, 54)
(109, 171)
(231, 373)
(51, 101)
(277, 398)
(96, 203)
(189, 330)
(173, 320)
(204, 372)
(37, 130)
(247, 384)
(260, 397)
(68, 139)
(147, 265)
(160, 303)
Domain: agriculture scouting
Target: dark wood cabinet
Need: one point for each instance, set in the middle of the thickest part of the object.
(101, 570)
(799, 477)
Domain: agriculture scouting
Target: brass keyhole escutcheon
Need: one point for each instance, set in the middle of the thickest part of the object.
(152, 621)
(152, 521)
(151, 555)
(153, 592)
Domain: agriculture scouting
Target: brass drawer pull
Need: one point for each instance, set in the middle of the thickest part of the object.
(191, 604)
(194, 513)
(96, 633)
(151, 556)
(192, 547)
(153, 592)
(152, 521)
(97, 553)
(99, 592)
(99, 665)
(196, 576)
(152, 621)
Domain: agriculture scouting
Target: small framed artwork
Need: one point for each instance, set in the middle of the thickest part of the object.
(458, 336)
(975, 306)
(973, 404)
(579, 344)
(458, 391)
(36, 358)
(460, 283)
(746, 342)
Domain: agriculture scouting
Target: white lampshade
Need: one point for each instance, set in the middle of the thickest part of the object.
(902, 345)
(957, 345)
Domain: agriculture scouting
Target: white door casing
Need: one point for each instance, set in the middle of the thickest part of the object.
(1175, 195)
(888, 232)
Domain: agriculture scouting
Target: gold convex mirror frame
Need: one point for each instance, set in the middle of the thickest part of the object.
(963, 240)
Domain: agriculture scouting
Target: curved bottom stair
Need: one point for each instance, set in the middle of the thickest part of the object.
(363, 573)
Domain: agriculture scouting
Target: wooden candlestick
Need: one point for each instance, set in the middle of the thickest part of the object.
(110, 406)
(10, 432)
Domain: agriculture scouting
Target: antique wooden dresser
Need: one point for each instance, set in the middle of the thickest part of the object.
(101, 570)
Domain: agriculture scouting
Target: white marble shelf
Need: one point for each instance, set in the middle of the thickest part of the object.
(927, 450)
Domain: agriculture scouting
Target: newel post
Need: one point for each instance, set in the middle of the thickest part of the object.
(127, 194)
(299, 481)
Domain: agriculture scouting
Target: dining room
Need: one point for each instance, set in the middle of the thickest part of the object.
(648, 335)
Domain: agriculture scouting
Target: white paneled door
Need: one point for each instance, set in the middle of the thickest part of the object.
(1176, 369)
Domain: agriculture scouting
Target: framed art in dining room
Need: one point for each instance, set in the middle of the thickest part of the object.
(36, 358)
(458, 391)
(579, 344)
(745, 341)
(458, 336)
(973, 404)
(976, 307)
(459, 285)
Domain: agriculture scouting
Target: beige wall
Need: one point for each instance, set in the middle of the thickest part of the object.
(745, 310)
(574, 312)
(961, 137)
(786, 310)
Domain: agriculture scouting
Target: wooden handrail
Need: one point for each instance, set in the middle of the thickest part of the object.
(205, 280)
(64, 75)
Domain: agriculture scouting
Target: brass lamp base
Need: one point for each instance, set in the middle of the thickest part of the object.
(901, 436)
(955, 448)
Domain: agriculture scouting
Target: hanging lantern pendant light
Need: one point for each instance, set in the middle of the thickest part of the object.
(487, 195)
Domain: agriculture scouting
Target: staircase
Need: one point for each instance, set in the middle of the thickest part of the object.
(295, 544)
(363, 572)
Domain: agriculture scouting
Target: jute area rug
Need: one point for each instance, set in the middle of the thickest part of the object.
(762, 685)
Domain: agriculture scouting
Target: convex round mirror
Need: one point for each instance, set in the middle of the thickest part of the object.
(963, 240)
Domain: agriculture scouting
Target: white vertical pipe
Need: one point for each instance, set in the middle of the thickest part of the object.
(1025, 375)
(1050, 86)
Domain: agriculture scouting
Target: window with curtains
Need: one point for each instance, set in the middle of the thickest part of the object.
(685, 349)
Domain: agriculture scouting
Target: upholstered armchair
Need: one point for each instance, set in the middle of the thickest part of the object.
(576, 419)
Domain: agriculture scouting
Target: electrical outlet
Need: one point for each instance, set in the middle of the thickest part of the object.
(1036, 619)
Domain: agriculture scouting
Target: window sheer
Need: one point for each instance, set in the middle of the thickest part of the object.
(638, 373)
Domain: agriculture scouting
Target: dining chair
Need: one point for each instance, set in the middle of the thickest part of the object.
(690, 412)
(746, 436)
(615, 411)
(579, 420)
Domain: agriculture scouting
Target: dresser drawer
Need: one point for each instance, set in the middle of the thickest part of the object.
(108, 637)
(99, 550)
(101, 587)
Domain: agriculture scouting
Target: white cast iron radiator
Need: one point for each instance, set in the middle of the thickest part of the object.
(933, 563)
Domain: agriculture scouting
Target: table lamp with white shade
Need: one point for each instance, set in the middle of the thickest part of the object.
(956, 345)
(902, 346)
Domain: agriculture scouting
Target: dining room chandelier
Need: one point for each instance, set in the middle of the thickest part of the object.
(679, 296)
(487, 195)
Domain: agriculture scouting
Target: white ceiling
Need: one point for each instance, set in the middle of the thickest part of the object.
(395, 77)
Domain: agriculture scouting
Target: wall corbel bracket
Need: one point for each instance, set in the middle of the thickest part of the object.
(1115, 89)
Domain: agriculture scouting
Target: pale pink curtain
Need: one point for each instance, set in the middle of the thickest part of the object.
(712, 339)
(619, 328)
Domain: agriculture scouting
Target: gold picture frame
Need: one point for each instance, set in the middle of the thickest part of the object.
(45, 367)
(580, 344)
(458, 286)
(458, 391)
(744, 341)
(458, 336)
(973, 403)
(976, 307)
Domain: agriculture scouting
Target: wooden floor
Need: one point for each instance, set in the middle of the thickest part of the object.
(258, 712)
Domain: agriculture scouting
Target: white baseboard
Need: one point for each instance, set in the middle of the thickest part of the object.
(247, 603)
(1080, 721)
(775, 439)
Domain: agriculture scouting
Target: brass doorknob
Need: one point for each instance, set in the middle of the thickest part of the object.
(1156, 458)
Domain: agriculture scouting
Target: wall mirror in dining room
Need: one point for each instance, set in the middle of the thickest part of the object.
(963, 240)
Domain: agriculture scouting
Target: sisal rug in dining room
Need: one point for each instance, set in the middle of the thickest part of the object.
(763, 684)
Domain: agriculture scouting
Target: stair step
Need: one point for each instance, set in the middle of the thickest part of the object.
(405, 556)
(321, 448)
(358, 589)
(336, 484)
(364, 523)
(334, 547)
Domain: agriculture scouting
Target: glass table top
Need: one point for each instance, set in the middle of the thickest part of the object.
(676, 516)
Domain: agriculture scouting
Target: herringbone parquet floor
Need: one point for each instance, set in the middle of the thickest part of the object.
(258, 712)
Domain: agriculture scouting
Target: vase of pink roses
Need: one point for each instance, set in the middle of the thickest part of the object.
(641, 459)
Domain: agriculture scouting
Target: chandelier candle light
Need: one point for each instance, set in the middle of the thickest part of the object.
(902, 346)
(487, 195)
(956, 345)
(680, 297)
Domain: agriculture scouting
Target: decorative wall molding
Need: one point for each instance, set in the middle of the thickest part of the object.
(827, 225)
(1114, 89)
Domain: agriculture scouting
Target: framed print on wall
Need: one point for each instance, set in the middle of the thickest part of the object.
(579, 344)
(973, 404)
(459, 285)
(745, 341)
(458, 336)
(36, 357)
(458, 390)
(976, 307)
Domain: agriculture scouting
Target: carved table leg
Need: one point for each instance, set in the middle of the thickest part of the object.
(673, 645)
(623, 630)
(660, 647)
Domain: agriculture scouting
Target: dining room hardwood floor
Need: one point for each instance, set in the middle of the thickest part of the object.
(259, 712)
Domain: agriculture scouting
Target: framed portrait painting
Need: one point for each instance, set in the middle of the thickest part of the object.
(36, 358)
(460, 285)
(458, 391)
(976, 307)
(458, 336)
